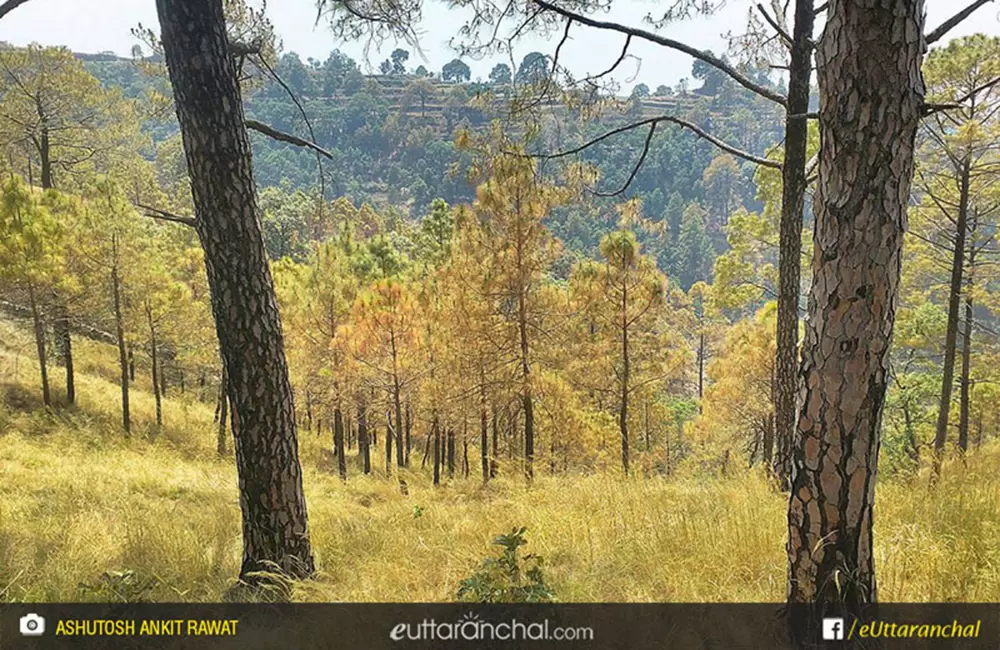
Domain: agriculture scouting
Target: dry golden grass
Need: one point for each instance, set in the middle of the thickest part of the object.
(78, 499)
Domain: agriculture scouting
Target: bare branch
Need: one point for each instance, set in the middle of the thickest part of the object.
(823, 7)
(635, 169)
(667, 42)
(930, 109)
(286, 137)
(774, 24)
(10, 6)
(163, 215)
(764, 162)
(949, 24)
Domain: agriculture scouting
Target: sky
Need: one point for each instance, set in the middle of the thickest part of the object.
(105, 25)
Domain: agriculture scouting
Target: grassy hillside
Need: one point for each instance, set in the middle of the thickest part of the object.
(80, 504)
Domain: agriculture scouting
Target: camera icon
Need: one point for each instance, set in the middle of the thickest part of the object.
(32, 625)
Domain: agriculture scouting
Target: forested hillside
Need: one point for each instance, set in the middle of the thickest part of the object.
(392, 143)
(712, 312)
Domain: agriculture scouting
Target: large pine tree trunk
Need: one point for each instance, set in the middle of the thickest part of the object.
(217, 148)
(793, 178)
(951, 332)
(871, 96)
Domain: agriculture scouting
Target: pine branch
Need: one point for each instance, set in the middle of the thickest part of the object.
(10, 6)
(950, 24)
(286, 137)
(667, 42)
(764, 162)
(163, 215)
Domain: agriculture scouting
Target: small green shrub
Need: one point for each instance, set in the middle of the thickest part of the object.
(504, 580)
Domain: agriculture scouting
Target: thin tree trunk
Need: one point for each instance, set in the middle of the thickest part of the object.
(388, 444)
(793, 178)
(465, 456)
(484, 447)
(123, 353)
(338, 442)
(626, 370)
(408, 427)
(36, 317)
(63, 335)
(43, 150)
(965, 379)
(871, 100)
(526, 400)
(951, 333)
(364, 448)
(156, 367)
(435, 427)
(494, 458)
(451, 453)
(217, 148)
(427, 450)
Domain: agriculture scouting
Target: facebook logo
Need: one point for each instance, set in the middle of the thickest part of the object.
(833, 629)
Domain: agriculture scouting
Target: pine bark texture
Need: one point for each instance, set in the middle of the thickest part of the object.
(793, 177)
(217, 148)
(220, 445)
(871, 97)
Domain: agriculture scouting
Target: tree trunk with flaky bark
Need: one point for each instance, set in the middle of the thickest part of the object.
(951, 332)
(220, 446)
(871, 97)
(793, 176)
(217, 148)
